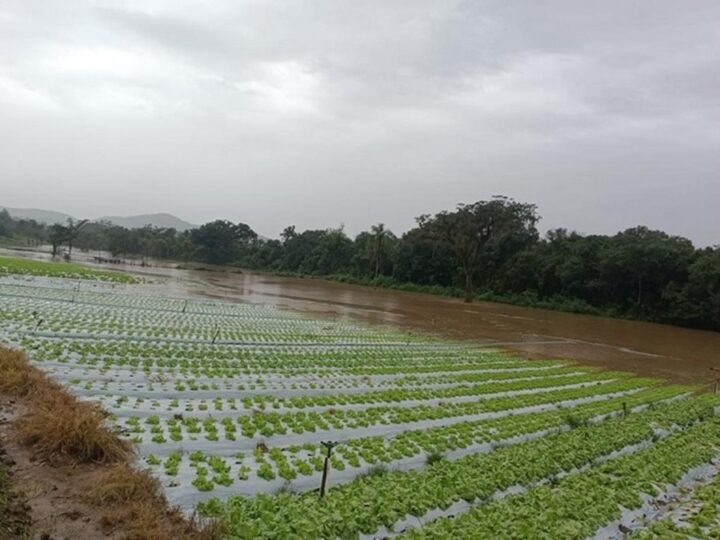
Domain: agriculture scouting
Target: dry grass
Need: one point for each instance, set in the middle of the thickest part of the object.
(56, 424)
(65, 431)
(18, 379)
(58, 427)
(135, 499)
(120, 483)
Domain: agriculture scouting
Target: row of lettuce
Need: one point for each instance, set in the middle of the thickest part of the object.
(82, 309)
(60, 269)
(698, 516)
(570, 507)
(368, 453)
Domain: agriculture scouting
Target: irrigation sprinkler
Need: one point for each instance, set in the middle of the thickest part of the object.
(625, 409)
(38, 321)
(185, 305)
(329, 445)
(216, 334)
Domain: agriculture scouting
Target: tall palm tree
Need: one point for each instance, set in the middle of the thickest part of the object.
(378, 233)
(73, 229)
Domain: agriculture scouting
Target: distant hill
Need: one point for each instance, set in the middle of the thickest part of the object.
(131, 222)
(156, 220)
(41, 216)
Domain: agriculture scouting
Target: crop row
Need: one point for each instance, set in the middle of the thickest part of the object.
(267, 424)
(29, 267)
(371, 502)
(327, 391)
(698, 517)
(544, 380)
(380, 360)
(75, 375)
(310, 382)
(340, 399)
(309, 395)
(579, 504)
(306, 459)
(71, 292)
(225, 360)
(317, 395)
(58, 318)
(85, 314)
(254, 398)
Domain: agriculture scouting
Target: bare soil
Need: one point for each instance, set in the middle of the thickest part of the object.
(47, 500)
(69, 475)
(14, 511)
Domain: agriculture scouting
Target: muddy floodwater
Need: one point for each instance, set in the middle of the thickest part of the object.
(673, 353)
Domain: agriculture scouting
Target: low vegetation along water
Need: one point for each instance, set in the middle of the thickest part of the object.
(443, 428)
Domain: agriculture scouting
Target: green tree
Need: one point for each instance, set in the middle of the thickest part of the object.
(701, 294)
(482, 234)
(638, 263)
(73, 229)
(379, 235)
(288, 233)
(58, 236)
(220, 241)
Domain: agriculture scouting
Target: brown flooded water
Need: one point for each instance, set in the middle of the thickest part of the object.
(673, 353)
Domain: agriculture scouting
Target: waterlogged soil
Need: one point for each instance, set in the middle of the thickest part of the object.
(676, 354)
(657, 507)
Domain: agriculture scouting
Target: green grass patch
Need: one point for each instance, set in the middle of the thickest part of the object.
(12, 265)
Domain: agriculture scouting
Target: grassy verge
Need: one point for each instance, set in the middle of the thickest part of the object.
(13, 265)
(56, 424)
(66, 432)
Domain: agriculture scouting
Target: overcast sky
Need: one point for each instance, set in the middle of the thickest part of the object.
(604, 114)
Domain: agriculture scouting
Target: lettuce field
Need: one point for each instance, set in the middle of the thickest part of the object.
(229, 405)
(14, 265)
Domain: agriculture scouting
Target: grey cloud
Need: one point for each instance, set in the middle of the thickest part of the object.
(322, 112)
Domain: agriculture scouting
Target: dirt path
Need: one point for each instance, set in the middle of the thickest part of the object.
(47, 502)
(71, 476)
(14, 512)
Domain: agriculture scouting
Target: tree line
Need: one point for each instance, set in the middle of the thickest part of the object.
(488, 250)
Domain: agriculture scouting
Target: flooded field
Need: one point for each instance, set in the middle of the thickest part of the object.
(676, 354)
(673, 353)
(240, 392)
